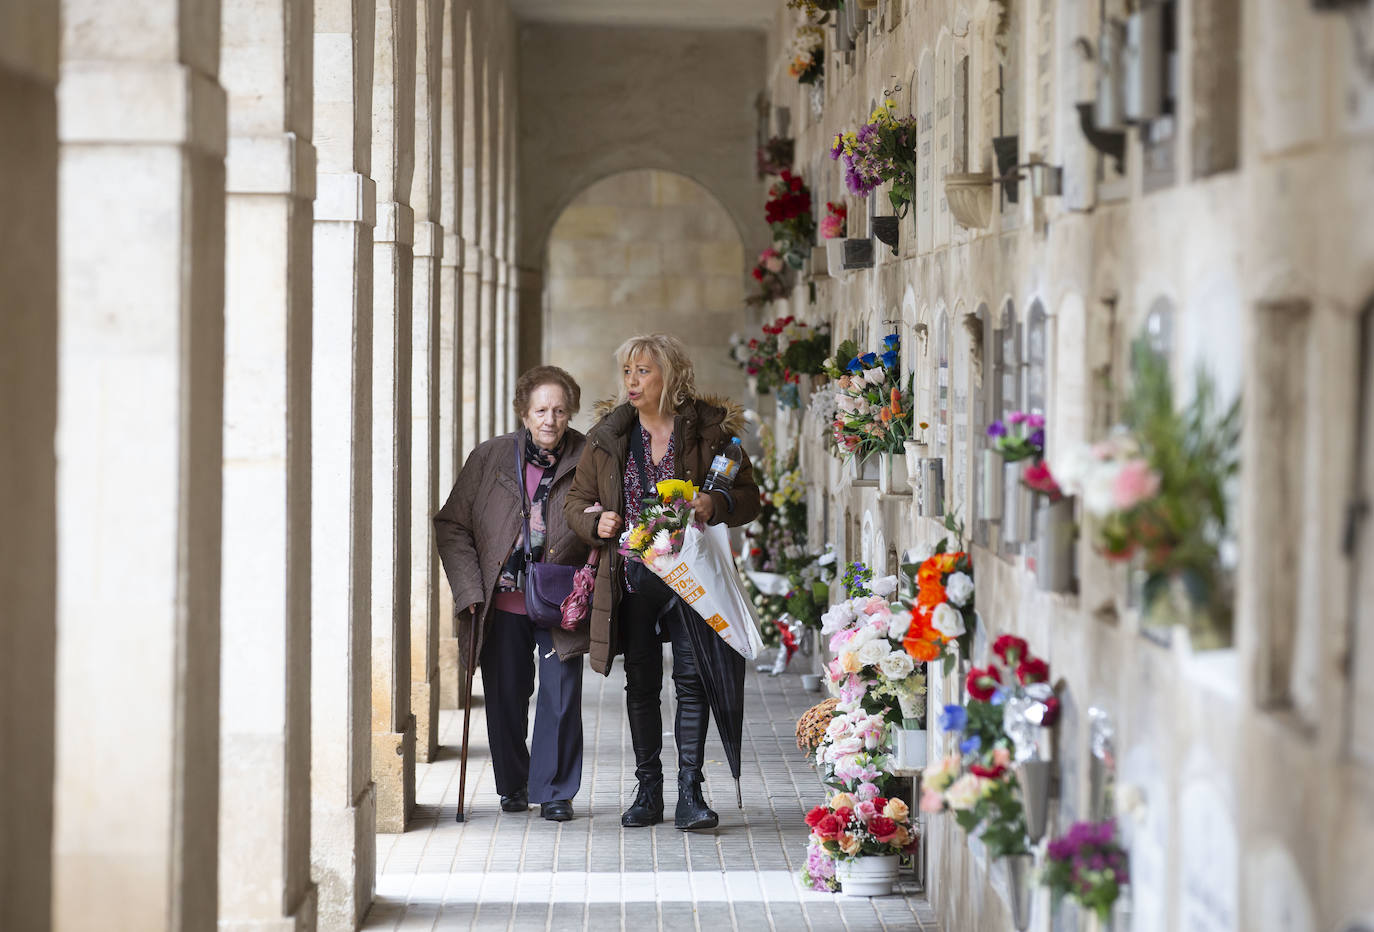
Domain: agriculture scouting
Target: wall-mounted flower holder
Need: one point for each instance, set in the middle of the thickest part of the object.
(1147, 63)
(969, 196)
(843, 42)
(863, 473)
(932, 492)
(1019, 867)
(1109, 142)
(915, 452)
(1056, 534)
(1007, 150)
(1036, 778)
(820, 262)
(1016, 505)
(858, 254)
(887, 230)
(834, 257)
(857, 19)
(892, 474)
(867, 4)
(909, 752)
(991, 502)
(1110, 112)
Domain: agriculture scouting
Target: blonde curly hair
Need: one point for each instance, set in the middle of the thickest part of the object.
(668, 353)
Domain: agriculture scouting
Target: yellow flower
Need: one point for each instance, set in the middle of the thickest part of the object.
(849, 843)
(670, 490)
(639, 538)
(896, 810)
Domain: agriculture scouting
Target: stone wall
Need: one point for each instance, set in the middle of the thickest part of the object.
(1237, 243)
(640, 252)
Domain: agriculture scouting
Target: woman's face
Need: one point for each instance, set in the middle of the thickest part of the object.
(547, 416)
(643, 383)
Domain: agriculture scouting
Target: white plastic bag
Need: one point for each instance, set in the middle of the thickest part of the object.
(704, 574)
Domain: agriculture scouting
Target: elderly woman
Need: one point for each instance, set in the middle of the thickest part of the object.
(480, 533)
(658, 430)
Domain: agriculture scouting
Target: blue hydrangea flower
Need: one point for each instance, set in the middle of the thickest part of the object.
(970, 745)
(890, 358)
(953, 718)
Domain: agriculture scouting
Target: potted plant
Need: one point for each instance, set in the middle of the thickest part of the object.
(881, 151)
(865, 837)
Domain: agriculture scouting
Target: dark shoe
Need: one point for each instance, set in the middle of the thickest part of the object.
(560, 810)
(647, 808)
(516, 802)
(692, 811)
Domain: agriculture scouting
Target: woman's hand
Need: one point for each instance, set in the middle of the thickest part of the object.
(705, 507)
(608, 525)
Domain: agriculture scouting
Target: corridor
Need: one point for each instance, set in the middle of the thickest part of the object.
(518, 872)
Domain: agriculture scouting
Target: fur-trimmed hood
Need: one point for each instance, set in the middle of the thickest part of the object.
(707, 411)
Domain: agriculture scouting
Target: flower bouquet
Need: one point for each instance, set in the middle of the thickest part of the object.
(775, 156)
(1088, 865)
(882, 150)
(788, 214)
(817, 10)
(1021, 436)
(850, 826)
(855, 755)
(768, 272)
(871, 669)
(873, 408)
(943, 618)
(835, 223)
(656, 538)
(808, 55)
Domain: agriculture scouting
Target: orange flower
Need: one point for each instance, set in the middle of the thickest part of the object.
(931, 595)
(885, 415)
(946, 562)
(896, 403)
(919, 649)
(922, 628)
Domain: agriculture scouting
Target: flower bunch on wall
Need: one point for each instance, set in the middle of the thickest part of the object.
(873, 407)
(871, 670)
(769, 272)
(817, 11)
(835, 223)
(1088, 865)
(943, 617)
(776, 155)
(808, 55)
(788, 214)
(882, 150)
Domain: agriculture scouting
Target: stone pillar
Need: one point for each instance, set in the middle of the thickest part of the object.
(486, 350)
(28, 467)
(343, 819)
(505, 380)
(470, 218)
(471, 330)
(529, 301)
(139, 459)
(450, 318)
(264, 816)
(393, 141)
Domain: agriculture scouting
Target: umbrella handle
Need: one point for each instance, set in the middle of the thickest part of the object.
(739, 794)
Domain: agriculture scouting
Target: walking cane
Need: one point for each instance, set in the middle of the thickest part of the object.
(467, 721)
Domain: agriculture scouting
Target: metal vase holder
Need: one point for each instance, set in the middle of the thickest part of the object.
(1056, 534)
(1035, 778)
(991, 502)
(1019, 870)
(1016, 510)
(932, 503)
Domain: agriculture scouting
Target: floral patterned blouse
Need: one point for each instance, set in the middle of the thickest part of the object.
(634, 491)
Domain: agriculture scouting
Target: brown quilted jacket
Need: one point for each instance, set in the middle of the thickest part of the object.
(702, 428)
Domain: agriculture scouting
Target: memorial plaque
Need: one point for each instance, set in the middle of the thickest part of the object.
(1207, 876)
(1278, 898)
(1144, 807)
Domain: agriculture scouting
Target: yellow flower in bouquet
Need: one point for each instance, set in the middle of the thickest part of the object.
(639, 538)
(672, 490)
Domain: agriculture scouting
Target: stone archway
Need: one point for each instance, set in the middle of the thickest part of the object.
(636, 252)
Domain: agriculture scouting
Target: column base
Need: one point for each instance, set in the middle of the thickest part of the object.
(450, 683)
(303, 920)
(424, 702)
(344, 861)
(393, 775)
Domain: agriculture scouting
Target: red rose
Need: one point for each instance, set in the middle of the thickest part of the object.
(879, 803)
(992, 773)
(1009, 648)
(828, 828)
(1032, 670)
(982, 683)
(882, 828)
(794, 183)
(1051, 712)
(758, 274)
(815, 816)
(845, 815)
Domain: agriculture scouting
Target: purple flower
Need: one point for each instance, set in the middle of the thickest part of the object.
(1016, 417)
(1034, 421)
(997, 429)
(1037, 439)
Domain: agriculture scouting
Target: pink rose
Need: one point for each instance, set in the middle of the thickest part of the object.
(932, 800)
(1135, 482)
(866, 810)
(1001, 757)
(867, 790)
(875, 605)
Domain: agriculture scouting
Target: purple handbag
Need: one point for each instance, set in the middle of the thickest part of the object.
(547, 585)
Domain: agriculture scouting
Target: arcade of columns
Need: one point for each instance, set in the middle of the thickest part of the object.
(260, 287)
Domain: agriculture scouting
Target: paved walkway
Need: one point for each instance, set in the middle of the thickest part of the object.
(519, 872)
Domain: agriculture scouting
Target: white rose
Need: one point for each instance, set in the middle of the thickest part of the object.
(838, 617)
(963, 792)
(873, 652)
(959, 587)
(898, 625)
(948, 620)
(861, 639)
(875, 376)
(883, 586)
(897, 665)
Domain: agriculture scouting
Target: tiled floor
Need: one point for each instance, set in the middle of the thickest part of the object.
(516, 871)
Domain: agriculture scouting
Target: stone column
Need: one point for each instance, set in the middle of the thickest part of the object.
(139, 459)
(28, 467)
(264, 816)
(343, 819)
(486, 349)
(393, 141)
(505, 381)
(450, 321)
(470, 217)
(529, 301)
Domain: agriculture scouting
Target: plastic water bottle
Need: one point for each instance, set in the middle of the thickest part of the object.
(724, 467)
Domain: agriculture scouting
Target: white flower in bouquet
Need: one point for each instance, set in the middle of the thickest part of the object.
(896, 665)
(948, 620)
(898, 625)
(964, 792)
(959, 588)
(875, 376)
(837, 618)
(883, 586)
(873, 652)
(861, 637)
(663, 542)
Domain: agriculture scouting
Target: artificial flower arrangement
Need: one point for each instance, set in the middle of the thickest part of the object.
(873, 407)
(768, 272)
(816, 10)
(657, 536)
(788, 214)
(855, 755)
(1010, 704)
(775, 156)
(808, 55)
(850, 826)
(1087, 864)
(1157, 488)
(943, 618)
(788, 350)
(802, 349)
(812, 726)
(1021, 436)
(835, 223)
(882, 150)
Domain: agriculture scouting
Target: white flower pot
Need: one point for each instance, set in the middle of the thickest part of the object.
(991, 503)
(915, 452)
(864, 472)
(892, 474)
(910, 752)
(867, 875)
(1016, 512)
(1054, 545)
(811, 682)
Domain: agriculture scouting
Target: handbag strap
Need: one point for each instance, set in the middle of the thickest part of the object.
(638, 454)
(524, 497)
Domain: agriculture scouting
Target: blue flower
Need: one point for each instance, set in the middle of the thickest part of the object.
(890, 358)
(855, 364)
(892, 341)
(953, 718)
(869, 360)
(999, 696)
(970, 745)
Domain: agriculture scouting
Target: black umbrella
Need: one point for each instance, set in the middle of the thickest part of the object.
(722, 676)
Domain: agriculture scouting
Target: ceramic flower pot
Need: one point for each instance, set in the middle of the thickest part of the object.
(1056, 534)
(990, 504)
(932, 503)
(866, 471)
(1016, 514)
(910, 751)
(867, 875)
(915, 452)
(1035, 777)
(892, 474)
(1019, 869)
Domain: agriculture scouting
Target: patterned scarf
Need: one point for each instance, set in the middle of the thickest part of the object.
(511, 579)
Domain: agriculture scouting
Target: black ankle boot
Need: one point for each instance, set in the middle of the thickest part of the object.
(692, 811)
(647, 809)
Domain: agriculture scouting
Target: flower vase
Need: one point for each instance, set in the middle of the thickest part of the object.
(932, 503)
(915, 452)
(892, 474)
(910, 751)
(866, 470)
(1016, 516)
(753, 382)
(811, 682)
(834, 257)
(867, 875)
(1054, 545)
(992, 486)
(1034, 777)
(1019, 870)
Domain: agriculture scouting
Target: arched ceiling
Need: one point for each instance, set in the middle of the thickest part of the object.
(699, 14)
